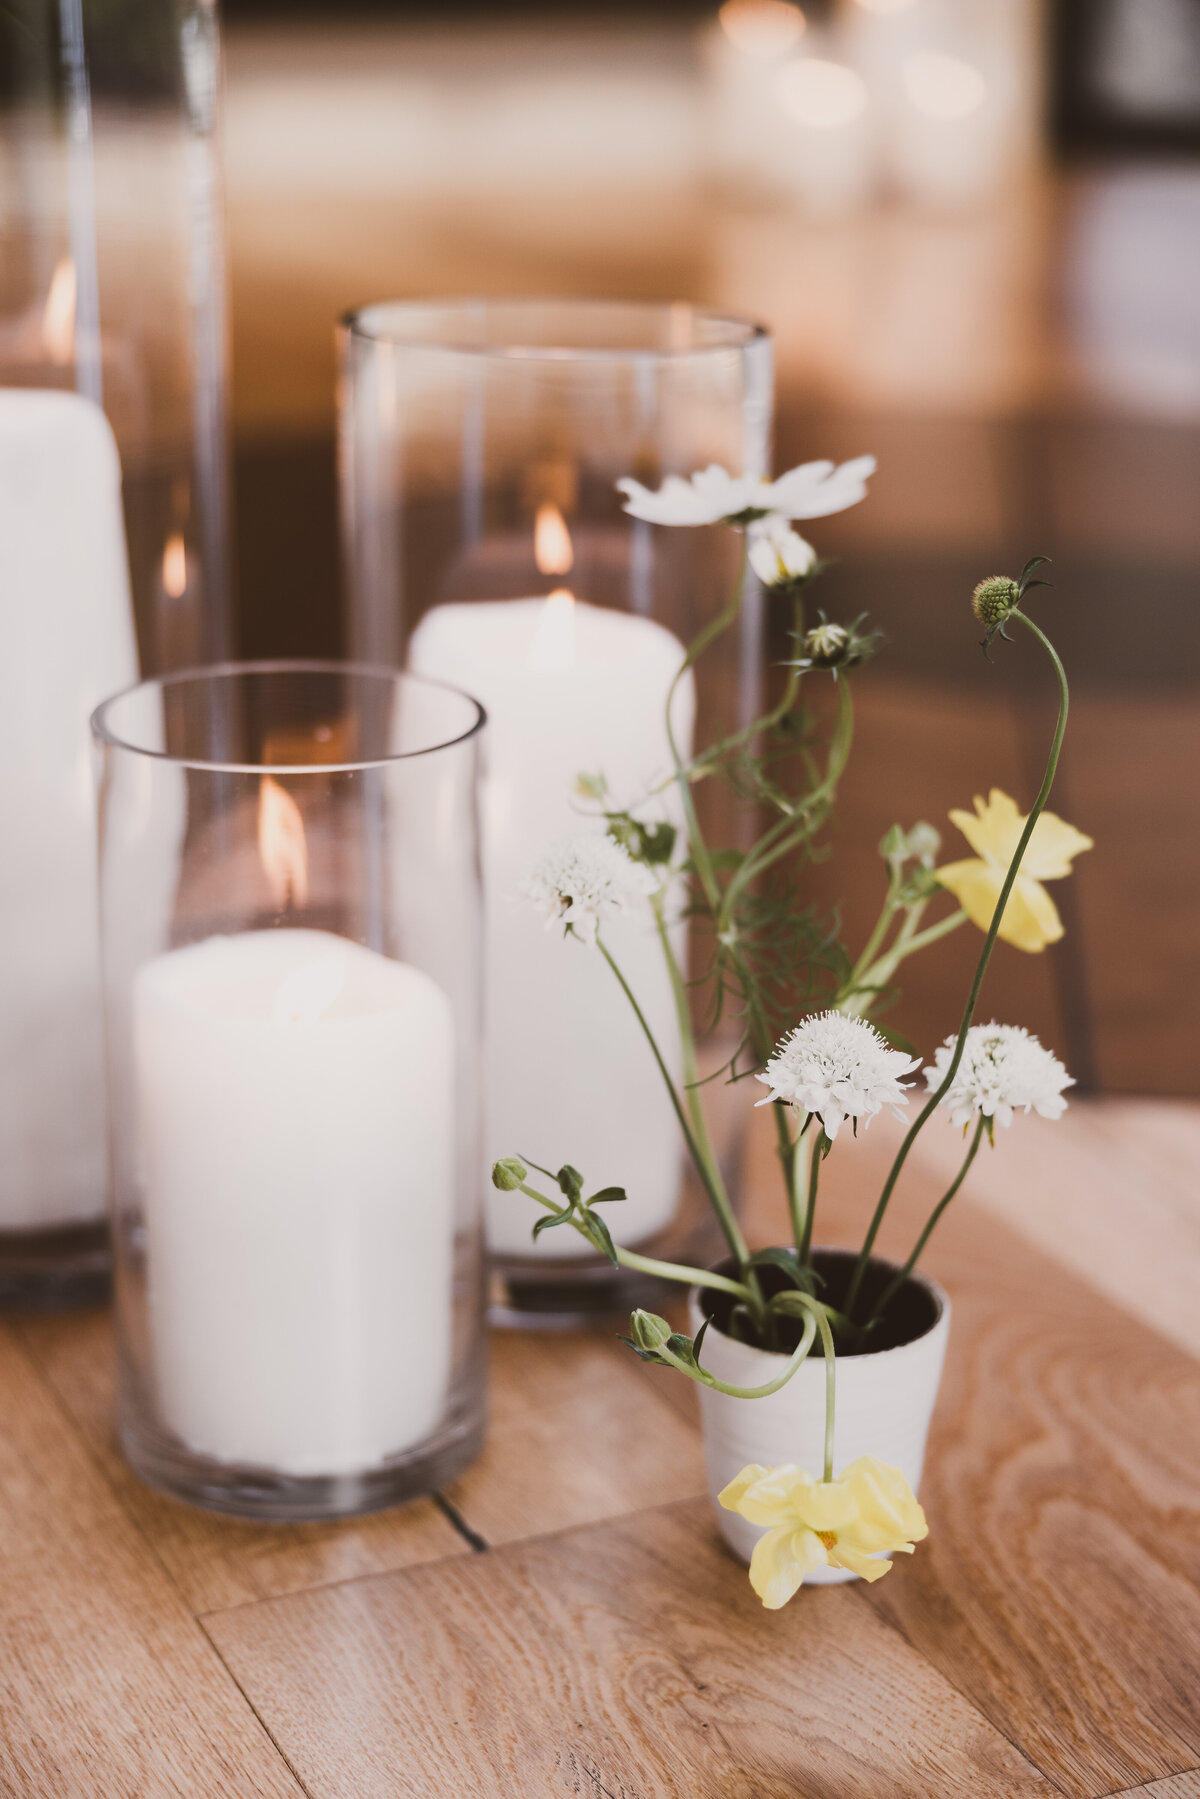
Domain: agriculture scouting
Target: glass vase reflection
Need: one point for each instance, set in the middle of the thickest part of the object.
(486, 545)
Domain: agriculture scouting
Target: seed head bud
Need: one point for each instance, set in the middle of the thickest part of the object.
(826, 644)
(994, 599)
(508, 1174)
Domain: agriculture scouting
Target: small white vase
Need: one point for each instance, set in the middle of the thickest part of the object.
(885, 1401)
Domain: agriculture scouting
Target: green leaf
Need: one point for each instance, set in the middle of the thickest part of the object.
(607, 1196)
(788, 1262)
(598, 1234)
(570, 1182)
(643, 1355)
(548, 1222)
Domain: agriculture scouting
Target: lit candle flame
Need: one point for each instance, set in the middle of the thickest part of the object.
(281, 844)
(58, 315)
(552, 548)
(174, 567)
(762, 27)
(552, 647)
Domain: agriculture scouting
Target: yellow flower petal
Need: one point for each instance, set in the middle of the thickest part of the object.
(827, 1505)
(1051, 848)
(780, 1561)
(867, 1566)
(994, 829)
(731, 1496)
(888, 1514)
(1030, 919)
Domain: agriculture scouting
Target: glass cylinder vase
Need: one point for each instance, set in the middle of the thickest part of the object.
(486, 545)
(113, 533)
(290, 915)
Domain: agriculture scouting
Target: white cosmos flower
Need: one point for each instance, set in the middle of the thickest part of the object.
(580, 881)
(779, 555)
(838, 1068)
(712, 495)
(1003, 1067)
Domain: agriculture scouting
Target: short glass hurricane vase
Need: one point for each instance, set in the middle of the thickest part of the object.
(290, 927)
(486, 545)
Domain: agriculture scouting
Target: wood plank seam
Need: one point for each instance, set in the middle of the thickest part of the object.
(479, 1544)
(265, 1727)
(20, 1346)
(1160, 1783)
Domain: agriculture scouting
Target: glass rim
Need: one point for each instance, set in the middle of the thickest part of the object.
(354, 322)
(104, 733)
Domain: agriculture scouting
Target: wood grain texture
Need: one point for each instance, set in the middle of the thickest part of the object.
(628, 1658)
(579, 1430)
(1060, 1587)
(1110, 1190)
(109, 1687)
(218, 1562)
(1177, 1786)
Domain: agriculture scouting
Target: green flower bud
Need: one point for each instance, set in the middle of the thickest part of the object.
(508, 1174)
(994, 599)
(894, 846)
(649, 1331)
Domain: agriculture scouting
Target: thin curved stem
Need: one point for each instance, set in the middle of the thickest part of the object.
(667, 1271)
(811, 1325)
(810, 1210)
(717, 1196)
(1014, 867)
(898, 1280)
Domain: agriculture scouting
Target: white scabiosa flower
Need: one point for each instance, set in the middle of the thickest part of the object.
(581, 881)
(779, 556)
(713, 496)
(1003, 1069)
(837, 1068)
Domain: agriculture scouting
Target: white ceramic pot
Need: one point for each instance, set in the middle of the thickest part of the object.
(884, 1404)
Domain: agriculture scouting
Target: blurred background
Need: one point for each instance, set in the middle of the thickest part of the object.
(973, 227)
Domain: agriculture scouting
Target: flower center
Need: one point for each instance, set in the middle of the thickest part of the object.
(828, 1537)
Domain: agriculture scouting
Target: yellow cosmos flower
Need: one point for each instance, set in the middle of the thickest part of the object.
(847, 1523)
(993, 831)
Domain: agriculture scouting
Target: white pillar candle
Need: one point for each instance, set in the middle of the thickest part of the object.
(295, 1100)
(67, 622)
(569, 689)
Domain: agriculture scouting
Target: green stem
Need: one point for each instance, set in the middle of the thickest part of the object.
(899, 1279)
(720, 1202)
(1014, 867)
(793, 1162)
(687, 1040)
(701, 860)
(801, 1350)
(907, 943)
(785, 833)
(667, 1271)
(810, 1210)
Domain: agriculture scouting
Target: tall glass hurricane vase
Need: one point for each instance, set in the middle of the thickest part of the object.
(486, 545)
(112, 532)
(291, 946)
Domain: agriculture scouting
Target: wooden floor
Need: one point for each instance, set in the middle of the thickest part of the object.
(565, 1622)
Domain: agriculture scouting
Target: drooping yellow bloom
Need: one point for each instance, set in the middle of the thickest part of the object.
(993, 831)
(850, 1523)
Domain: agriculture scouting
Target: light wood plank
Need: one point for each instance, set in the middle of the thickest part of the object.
(579, 1431)
(219, 1562)
(1113, 1193)
(110, 1687)
(628, 1658)
(1059, 1587)
(1177, 1786)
